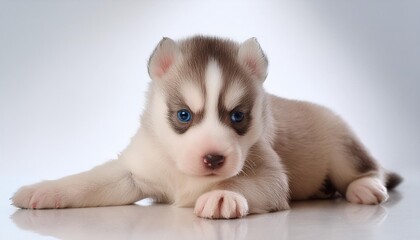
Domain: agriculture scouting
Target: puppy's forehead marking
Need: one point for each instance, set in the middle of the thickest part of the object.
(193, 96)
(234, 93)
(224, 85)
(213, 80)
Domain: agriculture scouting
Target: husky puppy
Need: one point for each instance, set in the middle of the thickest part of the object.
(212, 138)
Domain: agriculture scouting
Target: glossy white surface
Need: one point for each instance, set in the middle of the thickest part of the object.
(321, 219)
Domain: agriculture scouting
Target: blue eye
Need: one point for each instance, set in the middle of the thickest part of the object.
(184, 115)
(236, 116)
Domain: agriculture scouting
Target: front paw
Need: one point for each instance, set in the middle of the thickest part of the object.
(221, 204)
(38, 196)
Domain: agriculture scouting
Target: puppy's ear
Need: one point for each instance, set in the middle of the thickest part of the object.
(163, 58)
(252, 57)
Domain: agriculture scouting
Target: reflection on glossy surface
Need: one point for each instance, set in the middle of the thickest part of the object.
(312, 219)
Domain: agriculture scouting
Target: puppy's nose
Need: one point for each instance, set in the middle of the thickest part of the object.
(213, 161)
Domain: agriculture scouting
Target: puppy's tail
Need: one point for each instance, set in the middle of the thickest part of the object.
(392, 180)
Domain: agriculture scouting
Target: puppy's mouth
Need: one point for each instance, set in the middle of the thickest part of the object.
(218, 173)
(212, 174)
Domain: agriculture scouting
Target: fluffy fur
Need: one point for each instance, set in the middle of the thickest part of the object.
(272, 151)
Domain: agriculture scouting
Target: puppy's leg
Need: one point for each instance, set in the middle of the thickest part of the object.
(262, 186)
(357, 175)
(104, 185)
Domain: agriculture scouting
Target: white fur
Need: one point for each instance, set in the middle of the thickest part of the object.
(151, 158)
(96, 187)
(234, 94)
(194, 97)
(213, 80)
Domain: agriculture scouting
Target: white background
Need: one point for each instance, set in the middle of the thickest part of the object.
(73, 73)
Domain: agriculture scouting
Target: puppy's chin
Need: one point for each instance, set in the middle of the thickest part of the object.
(212, 175)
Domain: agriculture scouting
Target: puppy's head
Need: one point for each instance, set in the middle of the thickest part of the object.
(206, 102)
